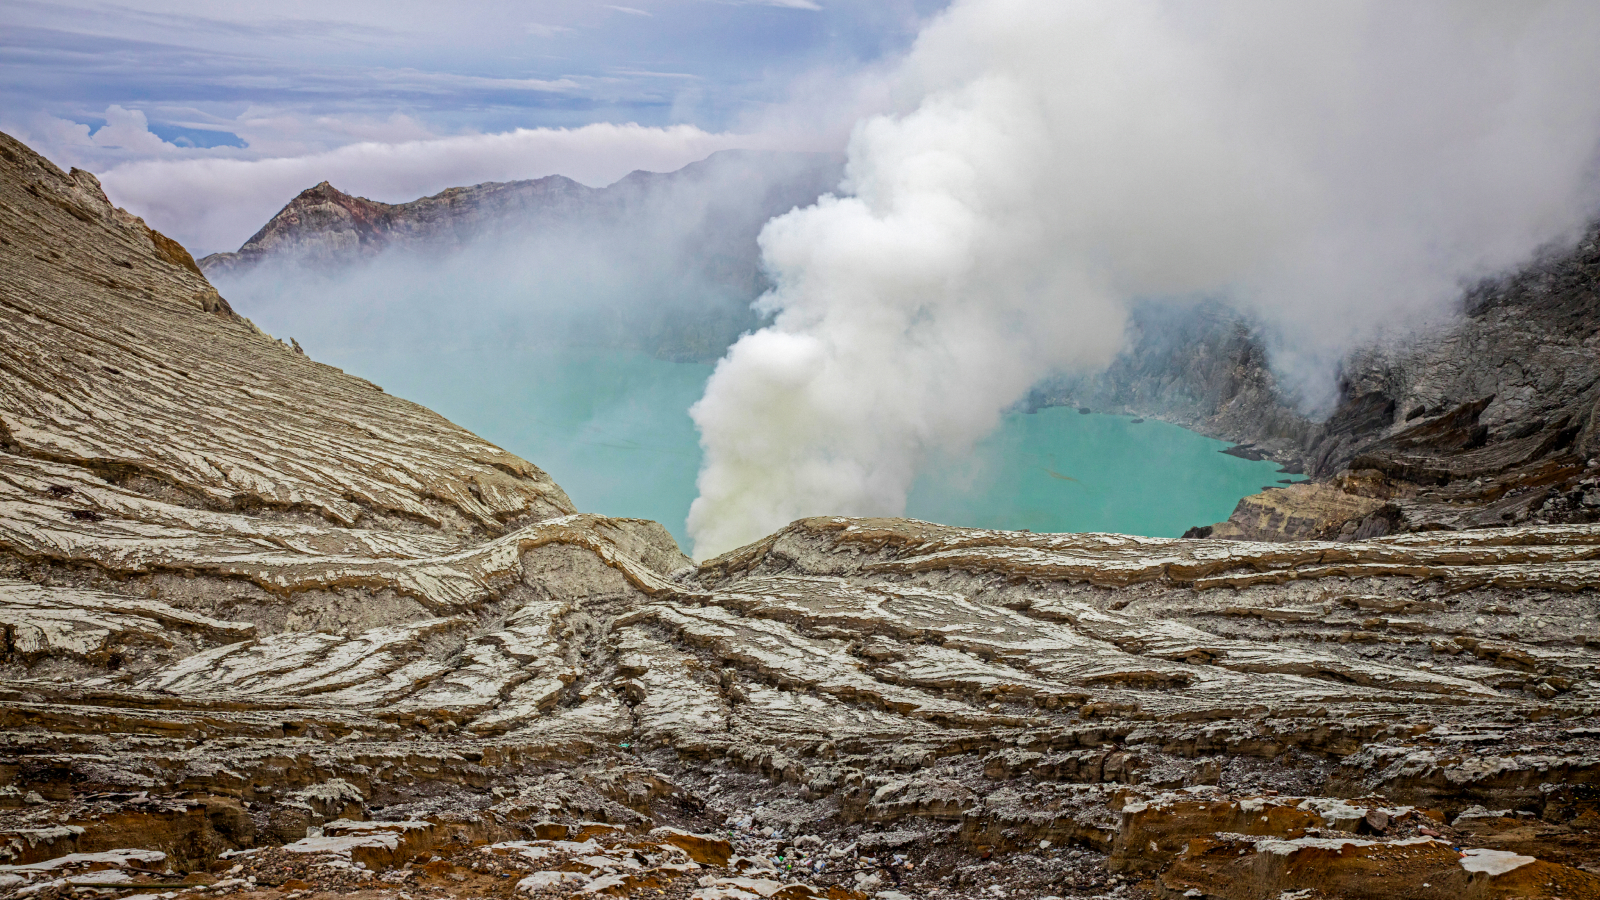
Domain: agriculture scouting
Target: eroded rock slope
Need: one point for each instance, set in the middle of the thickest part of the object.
(270, 629)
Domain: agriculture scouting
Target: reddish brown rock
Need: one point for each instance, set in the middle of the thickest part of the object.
(1154, 831)
(702, 848)
(1238, 868)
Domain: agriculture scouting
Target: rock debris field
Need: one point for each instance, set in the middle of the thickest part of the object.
(270, 632)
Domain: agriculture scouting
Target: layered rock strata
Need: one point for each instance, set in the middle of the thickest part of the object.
(279, 631)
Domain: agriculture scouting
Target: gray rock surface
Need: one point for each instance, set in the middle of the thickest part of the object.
(276, 630)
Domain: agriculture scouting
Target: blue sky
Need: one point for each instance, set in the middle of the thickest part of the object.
(111, 86)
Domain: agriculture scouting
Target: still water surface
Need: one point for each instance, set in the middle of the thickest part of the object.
(613, 429)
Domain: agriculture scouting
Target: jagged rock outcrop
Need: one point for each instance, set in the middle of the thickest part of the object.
(1516, 380)
(264, 622)
(1486, 421)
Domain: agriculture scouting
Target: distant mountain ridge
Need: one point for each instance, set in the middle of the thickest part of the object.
(662, 263)
(326, 226)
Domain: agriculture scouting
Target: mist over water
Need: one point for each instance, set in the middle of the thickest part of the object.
(1336, 170)
(613, 428)
(579, 338)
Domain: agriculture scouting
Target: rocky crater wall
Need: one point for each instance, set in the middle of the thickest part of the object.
(271, 631)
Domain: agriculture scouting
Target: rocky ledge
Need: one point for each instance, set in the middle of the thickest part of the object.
(269, 631)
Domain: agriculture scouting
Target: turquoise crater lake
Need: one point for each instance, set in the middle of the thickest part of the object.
(612, 427)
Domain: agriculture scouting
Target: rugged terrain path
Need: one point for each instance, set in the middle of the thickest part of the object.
(254, 606)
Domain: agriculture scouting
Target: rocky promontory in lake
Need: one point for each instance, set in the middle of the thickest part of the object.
(269, 630)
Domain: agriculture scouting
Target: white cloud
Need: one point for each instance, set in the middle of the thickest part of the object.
(645, 73)
(124, 135)
(266, 132)
(449, 82)
(398, 127)
(539, 30)
(128, 129)
(629, 10)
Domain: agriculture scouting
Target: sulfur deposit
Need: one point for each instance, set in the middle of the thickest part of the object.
(272, 632)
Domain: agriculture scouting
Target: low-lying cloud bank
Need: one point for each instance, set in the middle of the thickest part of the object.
(212, 204)
(1335, 169)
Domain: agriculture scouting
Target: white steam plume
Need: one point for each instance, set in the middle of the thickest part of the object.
(1327, 166)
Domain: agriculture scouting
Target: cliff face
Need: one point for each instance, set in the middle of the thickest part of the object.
(1526, 355)
(1204, 367)
(253, 604)
(1490, 420)
(127, 364)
